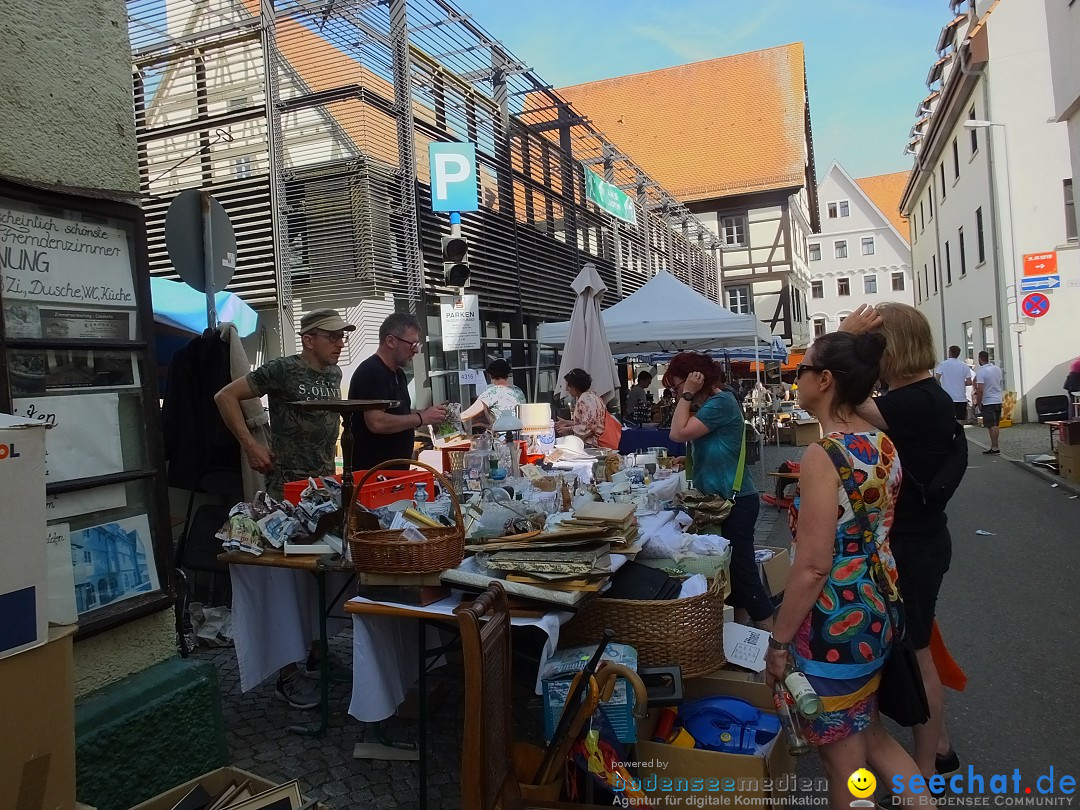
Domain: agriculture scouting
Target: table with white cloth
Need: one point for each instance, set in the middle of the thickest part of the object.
(389, 655)
(281, 605)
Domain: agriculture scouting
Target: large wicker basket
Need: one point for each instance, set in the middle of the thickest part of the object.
(383, 551)
(688, 632)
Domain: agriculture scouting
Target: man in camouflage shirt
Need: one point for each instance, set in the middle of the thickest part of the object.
(302, 443)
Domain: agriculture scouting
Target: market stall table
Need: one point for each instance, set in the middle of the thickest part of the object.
(634, 440)
(389, 655)
(279, 608)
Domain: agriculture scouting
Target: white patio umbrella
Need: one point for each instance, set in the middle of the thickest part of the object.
(586, 341)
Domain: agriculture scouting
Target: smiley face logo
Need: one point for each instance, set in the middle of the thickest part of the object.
(862, 783)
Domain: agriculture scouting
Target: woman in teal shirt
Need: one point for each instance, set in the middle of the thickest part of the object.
(716, 431)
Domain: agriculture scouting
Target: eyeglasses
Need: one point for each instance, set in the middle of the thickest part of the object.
(799, 369)
(413, 344)
(333, 337)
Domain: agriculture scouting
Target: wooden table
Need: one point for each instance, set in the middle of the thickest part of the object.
(318, 567)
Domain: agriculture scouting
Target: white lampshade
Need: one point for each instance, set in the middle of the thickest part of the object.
(507, 422)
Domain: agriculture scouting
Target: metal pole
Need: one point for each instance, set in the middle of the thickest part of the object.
(1017, 320)
(208, 262)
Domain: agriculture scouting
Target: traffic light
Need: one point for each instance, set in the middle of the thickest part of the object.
(455, 256)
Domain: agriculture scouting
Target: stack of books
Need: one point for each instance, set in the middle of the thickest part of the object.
(560, 568)
(617, 521)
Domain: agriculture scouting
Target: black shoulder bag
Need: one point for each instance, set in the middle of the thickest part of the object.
(901, 694)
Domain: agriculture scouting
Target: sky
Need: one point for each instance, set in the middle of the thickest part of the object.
(866, 60)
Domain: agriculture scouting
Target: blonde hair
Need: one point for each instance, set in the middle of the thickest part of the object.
(909, 344)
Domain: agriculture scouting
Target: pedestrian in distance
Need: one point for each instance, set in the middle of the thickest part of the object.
(989, 382)
(956, 377)
(835, 623)
(636, 396)
(497, 398)
(380, 436)
(302, 442)
(919, 417)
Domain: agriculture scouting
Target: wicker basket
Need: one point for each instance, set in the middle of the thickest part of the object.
(384, 552)
(688, 632)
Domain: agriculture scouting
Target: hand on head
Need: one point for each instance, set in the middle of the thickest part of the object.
(863, 319)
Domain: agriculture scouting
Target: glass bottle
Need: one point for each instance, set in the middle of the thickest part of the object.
(806, 700)
(790, 723)
(476, 465)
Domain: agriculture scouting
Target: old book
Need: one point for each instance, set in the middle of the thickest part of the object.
(556, 561)
(571, 584)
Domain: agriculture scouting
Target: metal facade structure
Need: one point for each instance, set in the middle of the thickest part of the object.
(310, 122)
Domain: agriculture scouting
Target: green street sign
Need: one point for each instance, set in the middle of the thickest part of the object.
(609, 197)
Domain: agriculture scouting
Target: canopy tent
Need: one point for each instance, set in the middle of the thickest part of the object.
(666, 315)
(183, 307)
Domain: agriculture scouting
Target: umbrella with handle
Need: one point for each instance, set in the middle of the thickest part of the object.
(586, 341)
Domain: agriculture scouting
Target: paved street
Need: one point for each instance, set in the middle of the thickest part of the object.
(1007, 611)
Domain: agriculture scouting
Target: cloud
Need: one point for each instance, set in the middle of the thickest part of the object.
(697, 32)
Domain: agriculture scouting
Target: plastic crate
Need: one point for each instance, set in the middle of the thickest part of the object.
(398, 485)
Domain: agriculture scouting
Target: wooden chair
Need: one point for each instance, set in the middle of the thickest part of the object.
(488, 780)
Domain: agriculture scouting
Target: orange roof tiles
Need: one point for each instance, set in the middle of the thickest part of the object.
(709, 129)
(885, 191)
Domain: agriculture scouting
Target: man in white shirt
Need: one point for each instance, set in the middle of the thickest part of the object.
(989, 382)
(954, 375)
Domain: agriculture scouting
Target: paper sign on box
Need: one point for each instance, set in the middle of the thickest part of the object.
(471, 376)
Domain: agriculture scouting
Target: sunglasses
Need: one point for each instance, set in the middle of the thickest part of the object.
(413, 344)
(799, 369)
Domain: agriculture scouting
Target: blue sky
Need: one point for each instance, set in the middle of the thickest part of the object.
(866, 60)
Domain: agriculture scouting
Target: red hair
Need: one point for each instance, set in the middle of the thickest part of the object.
(684, 364)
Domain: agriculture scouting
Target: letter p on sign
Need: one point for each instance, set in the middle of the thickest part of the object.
(453, 177)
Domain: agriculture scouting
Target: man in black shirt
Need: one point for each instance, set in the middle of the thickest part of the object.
(379, 436)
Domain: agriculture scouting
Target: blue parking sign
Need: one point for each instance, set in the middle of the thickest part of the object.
(453, 177)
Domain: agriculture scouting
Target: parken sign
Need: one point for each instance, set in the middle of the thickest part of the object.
(453, 177)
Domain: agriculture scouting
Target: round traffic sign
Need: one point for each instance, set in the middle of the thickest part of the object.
(184, 239)
(1035, 305)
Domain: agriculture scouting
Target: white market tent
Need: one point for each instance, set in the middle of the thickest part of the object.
(666, 315)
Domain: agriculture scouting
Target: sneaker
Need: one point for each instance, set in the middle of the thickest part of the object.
(296, 693)
(947, 764)
(992, 452)
(311, 667)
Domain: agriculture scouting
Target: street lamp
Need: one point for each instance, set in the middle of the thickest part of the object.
(1017, 322)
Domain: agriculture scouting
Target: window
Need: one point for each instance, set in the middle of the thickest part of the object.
(969, 342)
(973, 133)
(242, 167)
(963, 254)
(870, 284)
(942, 181)
(843, 287)
(832, 210)
(980, 247)
(948, 263)
(868, 246)
(815, 252)
(733, 231)
(955, 159)
(838, 209)
(738, 300)
(841, 248)
(844, 208)
(922, 216)
(819, 327)
(930, 199)
(933, 262)
(898, 283)
(817, 289)
(1070, 210)
(987, 326)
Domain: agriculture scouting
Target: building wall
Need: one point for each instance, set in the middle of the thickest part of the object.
(65, 110)
(1027, 200)
(1063, 32)
(891, 254)
(66, 120)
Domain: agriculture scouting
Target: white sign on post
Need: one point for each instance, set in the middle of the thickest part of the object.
(460, 317)
(84, 439)
(471, 376)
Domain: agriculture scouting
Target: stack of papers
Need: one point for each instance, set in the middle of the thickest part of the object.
(617, 520)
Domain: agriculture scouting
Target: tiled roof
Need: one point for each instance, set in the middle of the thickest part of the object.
(885, 191)
(709, 129)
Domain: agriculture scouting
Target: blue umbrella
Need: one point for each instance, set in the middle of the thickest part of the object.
(182, 307)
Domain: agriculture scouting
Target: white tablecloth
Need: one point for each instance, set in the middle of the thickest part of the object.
(276, 618)
(385, 661)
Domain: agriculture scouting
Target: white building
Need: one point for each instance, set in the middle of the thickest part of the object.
(861, 255)
(1063, 28)
(991, 184)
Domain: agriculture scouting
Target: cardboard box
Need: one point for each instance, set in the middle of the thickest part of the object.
(700, 778)
(37, 702)
(774, 572)
(802, 433)
(214, 782)
(1069, 462)
(24, 572)
(1069, 432)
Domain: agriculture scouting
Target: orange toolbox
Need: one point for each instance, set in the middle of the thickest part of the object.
(388, 486)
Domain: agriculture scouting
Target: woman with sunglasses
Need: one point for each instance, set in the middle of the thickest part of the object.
(835, 624)
(710, 419)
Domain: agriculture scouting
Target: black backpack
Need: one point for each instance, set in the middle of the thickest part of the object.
(949, 475)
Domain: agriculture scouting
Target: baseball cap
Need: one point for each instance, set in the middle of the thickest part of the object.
(325, 319)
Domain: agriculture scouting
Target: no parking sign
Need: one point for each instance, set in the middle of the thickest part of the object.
(1035, 305)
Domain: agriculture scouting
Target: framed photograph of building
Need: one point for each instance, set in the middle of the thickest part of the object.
(113, 561)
